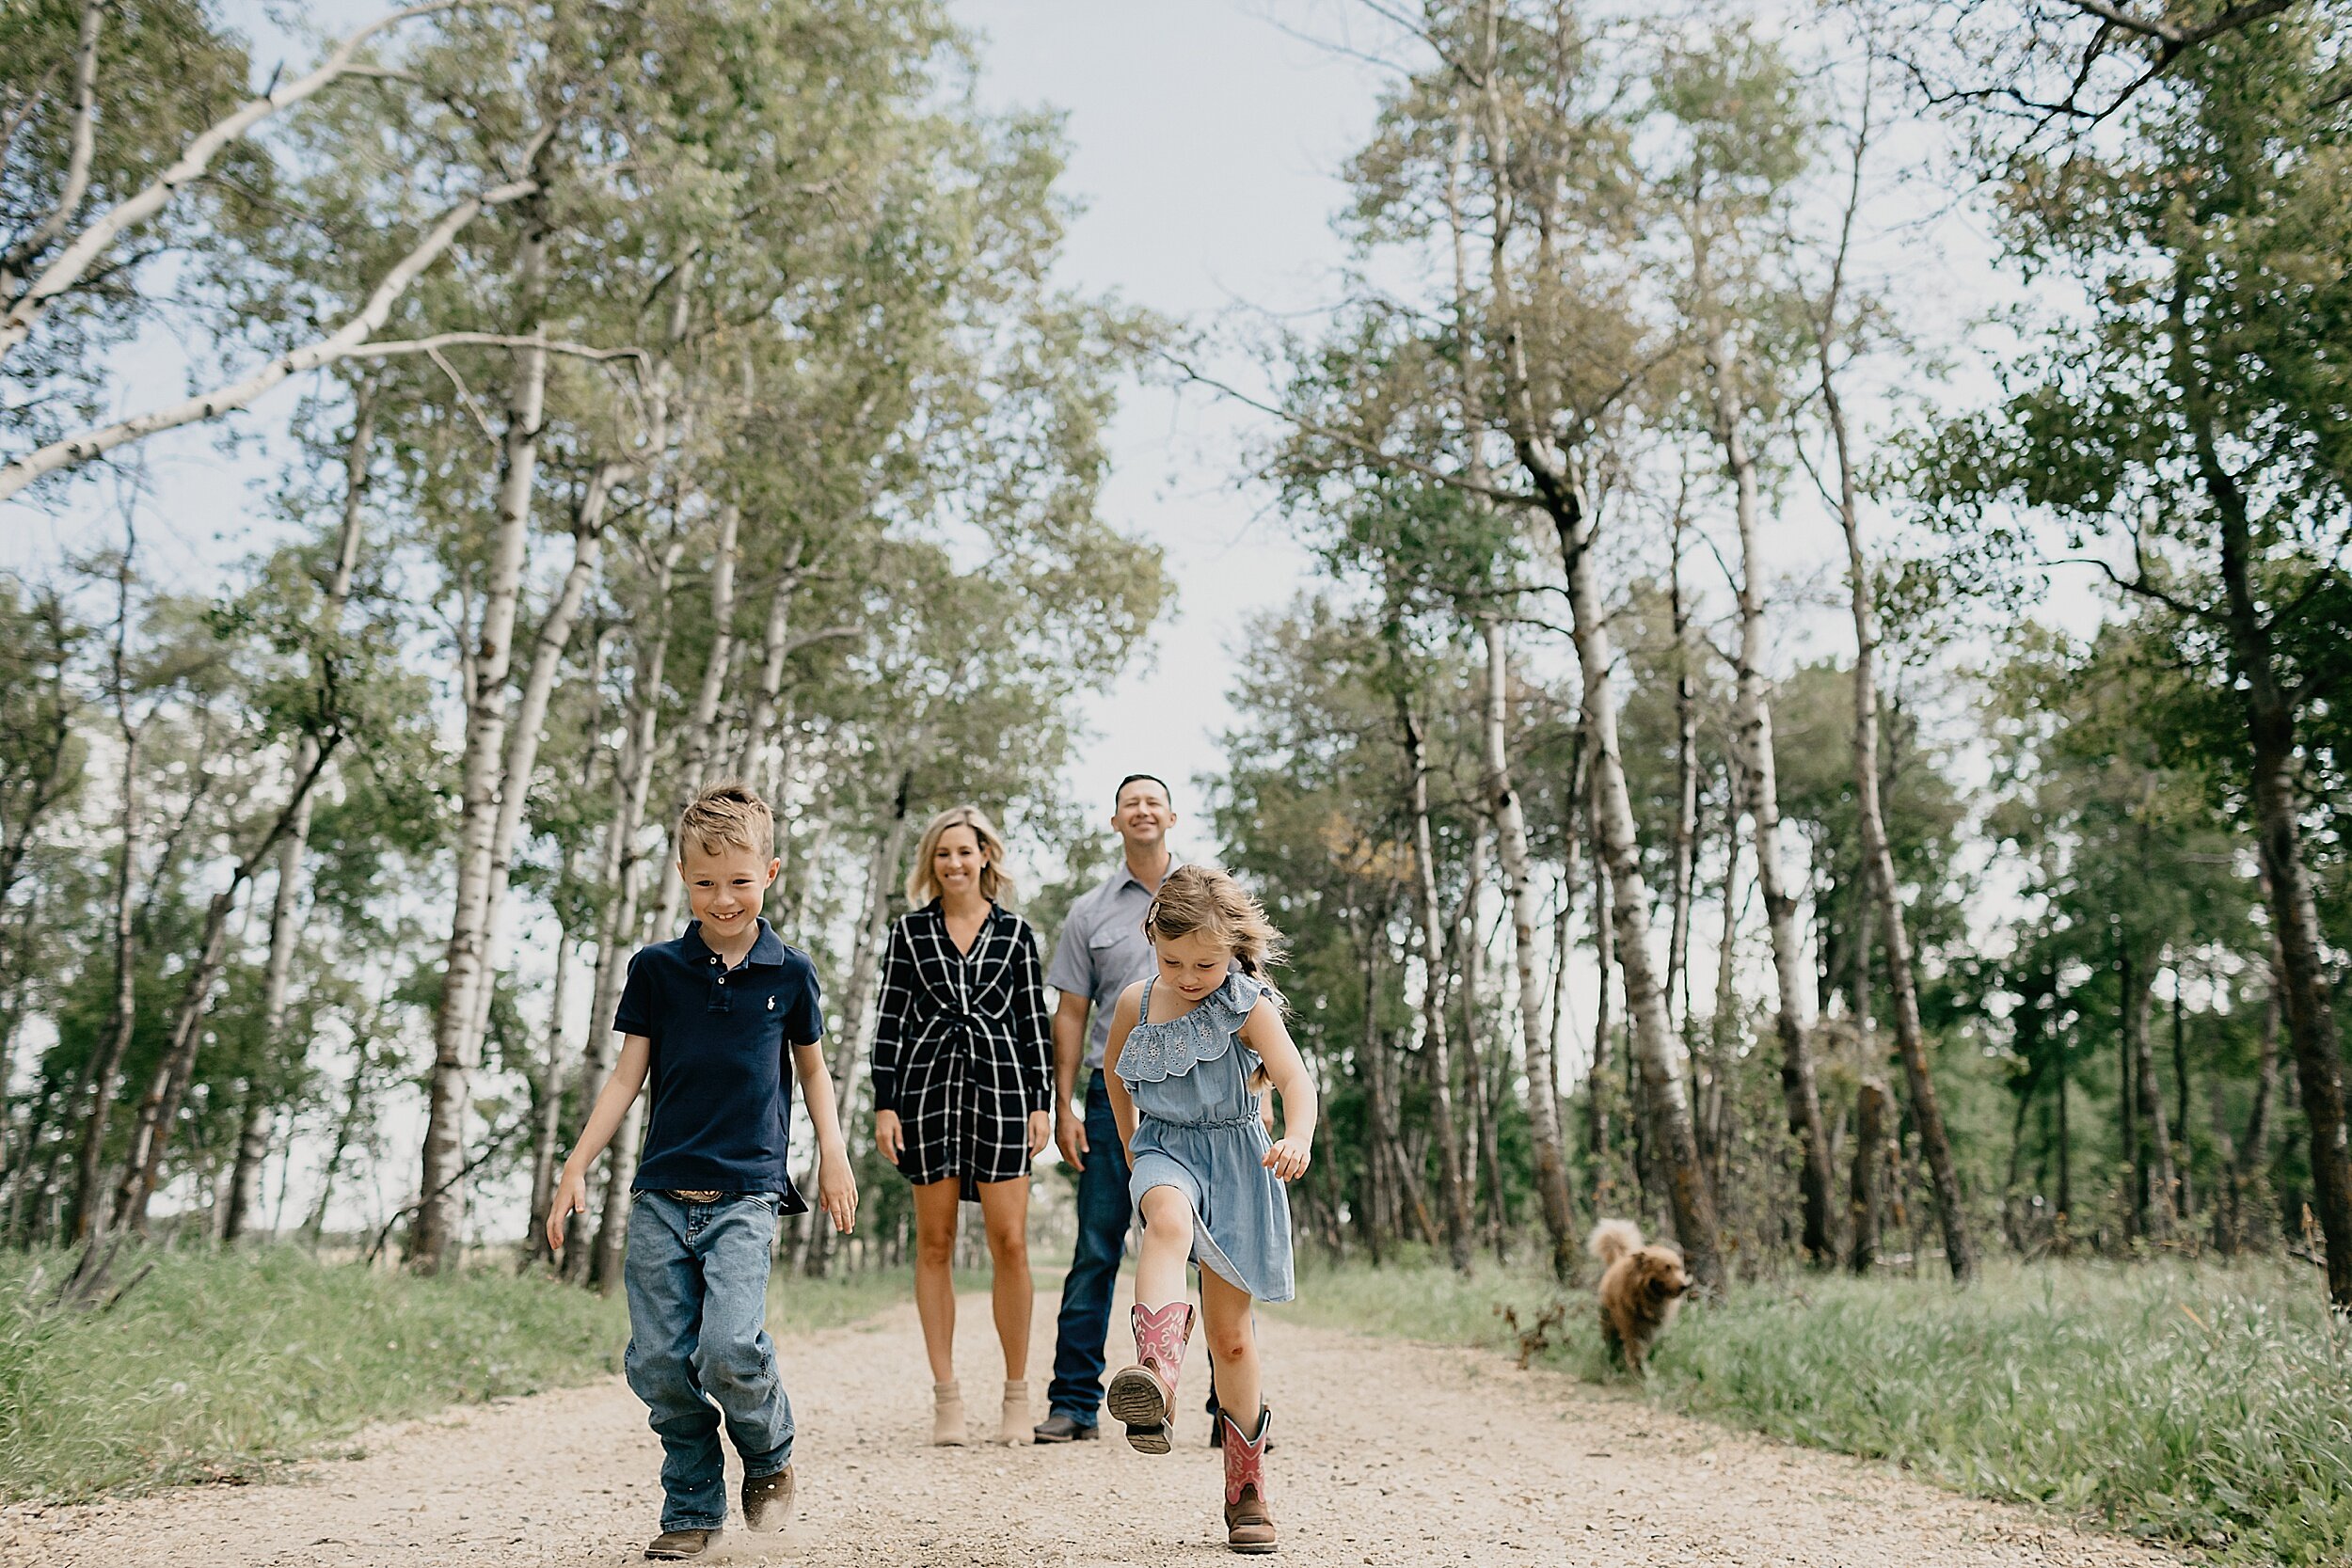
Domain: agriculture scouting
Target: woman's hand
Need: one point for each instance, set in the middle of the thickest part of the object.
(890, 1139)
(1288, 1158)
(1040, 1132)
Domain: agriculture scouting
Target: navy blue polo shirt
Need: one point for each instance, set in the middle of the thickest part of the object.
(721, 1116)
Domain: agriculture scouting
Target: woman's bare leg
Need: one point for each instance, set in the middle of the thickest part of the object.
(1005, 1208)
(935, 1204)
(1233, 1349)
(1166, 1247)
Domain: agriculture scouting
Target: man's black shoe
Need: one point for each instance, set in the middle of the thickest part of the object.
(1062, 1429)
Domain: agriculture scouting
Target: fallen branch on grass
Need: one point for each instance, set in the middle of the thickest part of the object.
(405, 1209)
(1533, 1341)
(93, 1272)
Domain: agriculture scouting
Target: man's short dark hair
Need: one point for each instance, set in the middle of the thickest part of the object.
(1119, 794)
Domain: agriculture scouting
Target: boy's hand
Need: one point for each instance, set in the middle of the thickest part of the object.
(571, 1196)
(836, 1190)
(1287, 1158)
(1040, 1132)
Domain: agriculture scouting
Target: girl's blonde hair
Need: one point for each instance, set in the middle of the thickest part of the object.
(995, 883)
(1203, 898)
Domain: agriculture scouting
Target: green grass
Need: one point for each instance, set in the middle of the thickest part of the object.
(2197, 1405)
(226, 1367)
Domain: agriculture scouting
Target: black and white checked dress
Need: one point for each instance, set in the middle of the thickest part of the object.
(962, 1051)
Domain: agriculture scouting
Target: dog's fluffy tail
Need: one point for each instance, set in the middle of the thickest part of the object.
(1613, 1239)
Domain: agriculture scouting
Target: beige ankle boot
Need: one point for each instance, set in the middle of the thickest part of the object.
(1015, 1426)
(947, 1415)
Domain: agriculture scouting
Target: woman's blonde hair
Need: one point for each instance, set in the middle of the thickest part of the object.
(996, 883)
(1203, 898)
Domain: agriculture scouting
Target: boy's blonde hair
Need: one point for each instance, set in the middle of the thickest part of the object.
(1203, 898)
(727, 816)
(996, 883)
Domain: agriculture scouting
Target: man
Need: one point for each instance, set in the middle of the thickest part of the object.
(1102, 952)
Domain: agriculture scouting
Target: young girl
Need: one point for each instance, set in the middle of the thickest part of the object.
(1192, 1046)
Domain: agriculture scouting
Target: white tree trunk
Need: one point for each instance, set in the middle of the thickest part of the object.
(702, 724)
(1454, 1200)
(82, 151)
(1533, 422)
(604, 1268)
(529, 727)
(1543, 1092)
(550, 1106)
(1655, 1047)
(465, 964)
(1758, 771)
(1686, 790)
(850, 1045)
(159, 1112)
(776, 646)
(1878, 860)
(101, 1076)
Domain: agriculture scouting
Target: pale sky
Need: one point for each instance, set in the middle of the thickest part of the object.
(1204, 146)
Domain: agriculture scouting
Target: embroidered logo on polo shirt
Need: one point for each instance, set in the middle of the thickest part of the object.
(771, 1003)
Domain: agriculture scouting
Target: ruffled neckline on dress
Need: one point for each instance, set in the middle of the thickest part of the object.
(1157, 1051)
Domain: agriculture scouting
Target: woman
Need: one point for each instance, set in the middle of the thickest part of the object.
(964, 1091)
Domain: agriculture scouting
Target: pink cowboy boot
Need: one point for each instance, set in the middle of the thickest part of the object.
(1248, 1522)
(1144, 1396)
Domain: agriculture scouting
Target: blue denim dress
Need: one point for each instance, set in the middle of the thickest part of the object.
(1198, 1132)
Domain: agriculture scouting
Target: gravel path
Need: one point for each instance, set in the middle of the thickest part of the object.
(1388, 1453)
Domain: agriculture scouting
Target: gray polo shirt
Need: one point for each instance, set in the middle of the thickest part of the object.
(1103, 950)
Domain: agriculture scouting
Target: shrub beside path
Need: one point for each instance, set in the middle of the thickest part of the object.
(1389, 1452)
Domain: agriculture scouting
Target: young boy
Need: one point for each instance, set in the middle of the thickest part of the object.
(709, 1018)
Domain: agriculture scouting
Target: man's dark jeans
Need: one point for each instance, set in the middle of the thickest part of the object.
(1105, 1212)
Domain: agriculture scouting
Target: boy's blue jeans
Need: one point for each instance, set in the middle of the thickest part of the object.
(697, 1280)
(1104, 1213)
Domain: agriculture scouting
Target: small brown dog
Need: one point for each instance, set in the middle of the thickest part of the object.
(1641, 1289)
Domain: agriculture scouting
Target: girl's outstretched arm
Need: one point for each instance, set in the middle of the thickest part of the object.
(1264, 1032)
(1124, 1014)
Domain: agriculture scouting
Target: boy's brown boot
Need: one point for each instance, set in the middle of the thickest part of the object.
(1249, 1520)
(673, 1544)
(768, 1500)
(1143, 1396)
